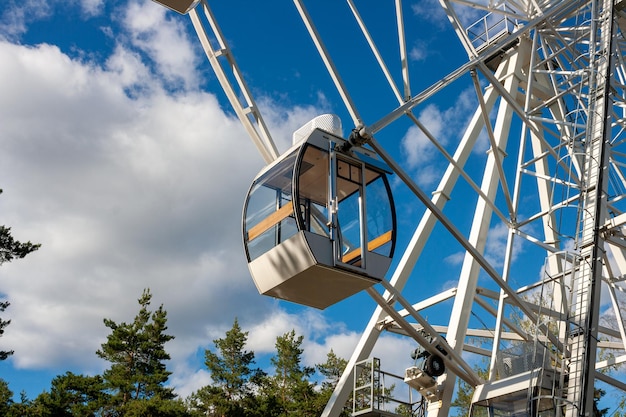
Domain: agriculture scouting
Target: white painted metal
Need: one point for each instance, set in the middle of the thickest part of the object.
(461, 312)
(554, 181)
(238, 94)
(330, 66)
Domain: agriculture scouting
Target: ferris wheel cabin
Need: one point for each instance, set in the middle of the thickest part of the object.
(319, 223)
(180, 6)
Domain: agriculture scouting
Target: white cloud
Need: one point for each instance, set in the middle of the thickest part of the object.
(122, 194)
(91, 7)
(393, 351)
(495, 247)
(128, 71)
(129, 184)
(262, 336)
(445, 125)
(164, 40)
(418, 147)
(455, 259)
(419, 52)
(310, 323)
(186, 380)
(396, 352)
(430, 11)
(283, 120)
(15, 15)
(342, 344)
(496, 244)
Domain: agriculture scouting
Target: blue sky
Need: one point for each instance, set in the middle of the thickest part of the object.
(120, 154)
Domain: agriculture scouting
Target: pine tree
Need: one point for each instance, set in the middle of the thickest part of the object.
(23, 408)
(463, 400)
(6, 398)
(72, 395)
(233, 377)
(4, 323)
(332, 370)
(11, 249)
(291, 385)
(137, 354)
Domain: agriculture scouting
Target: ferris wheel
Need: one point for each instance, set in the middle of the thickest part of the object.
(320, 223)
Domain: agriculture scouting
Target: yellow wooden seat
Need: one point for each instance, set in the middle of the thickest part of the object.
(270, 221)
(372, 245)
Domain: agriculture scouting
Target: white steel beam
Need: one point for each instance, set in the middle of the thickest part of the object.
(330, 66)
(247, 112)
(377, 55)
(409, 258)
(461, 310)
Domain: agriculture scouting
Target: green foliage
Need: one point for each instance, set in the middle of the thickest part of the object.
(134, 385)
(4, 323)
(332, 370)
(465, 392)
(234, 379)
(597, 395)
(72, 395)
(24, 408)
(238, 390)
(6, 398)
(155, 407)
(11, 249)
(621, 407)
(137, 354)
(290, 384)
(231, 369)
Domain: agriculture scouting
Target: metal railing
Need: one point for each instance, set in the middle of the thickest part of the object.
(490, 28)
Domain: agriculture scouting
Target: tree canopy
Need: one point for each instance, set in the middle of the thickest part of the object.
(10, 249)
(137, 353)
(136, 383)
(234, 379)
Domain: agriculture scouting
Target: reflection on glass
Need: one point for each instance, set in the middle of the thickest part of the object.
(378, 211)
(363, 203)
(269, 212)
(379, 215)
(313, 190)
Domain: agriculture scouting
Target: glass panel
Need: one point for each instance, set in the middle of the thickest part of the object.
(349, 224)
(349, 193)
(355, 174)
(379, 217)
(313, 190)
(262, 203)
(315, 217)
(269, 214)
(380, 220)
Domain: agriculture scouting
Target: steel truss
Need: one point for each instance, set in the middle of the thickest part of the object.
(550, 88)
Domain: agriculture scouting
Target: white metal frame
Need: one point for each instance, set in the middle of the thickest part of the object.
(556, 81)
